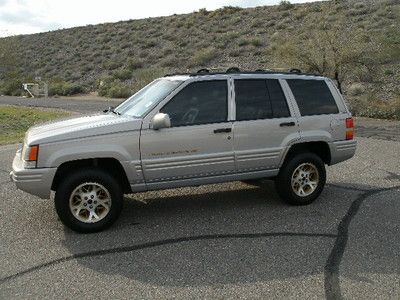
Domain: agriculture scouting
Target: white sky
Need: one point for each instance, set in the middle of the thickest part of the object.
(31, 16)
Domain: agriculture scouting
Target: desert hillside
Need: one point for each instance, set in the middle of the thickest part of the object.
(356, 43)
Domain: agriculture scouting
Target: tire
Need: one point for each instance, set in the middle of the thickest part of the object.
(103, 196)
(300, 191)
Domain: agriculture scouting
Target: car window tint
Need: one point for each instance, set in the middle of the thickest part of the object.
(251, 97)
(280, 107)
(313, 97)
(200, 102)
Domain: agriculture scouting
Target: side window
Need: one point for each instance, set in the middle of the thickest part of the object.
(200, 102)
(251, 97)
(313, 97)
(279, 104)
(259, 99)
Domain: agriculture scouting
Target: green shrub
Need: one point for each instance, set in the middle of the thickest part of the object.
(11, 87)
(226, 11)
(119, 90)
(167, 51)
(63, 88)
(203, 11)
(243, 42)
(203, 56)
(257, 24)
(388, 72)
(122, 74)
(134, 64)
(143, 77)
(226, 38)
(256, 42)
(357, 12)
(285, 5)
(149, 44)
(112, 65)
(235, 53)
(113, 88)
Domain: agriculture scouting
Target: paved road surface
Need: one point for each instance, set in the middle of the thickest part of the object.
(219, 241)
(379, 129)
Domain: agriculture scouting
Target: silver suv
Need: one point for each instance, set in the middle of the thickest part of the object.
(187, 130)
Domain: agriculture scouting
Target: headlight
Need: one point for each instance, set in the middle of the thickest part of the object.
(30, 156)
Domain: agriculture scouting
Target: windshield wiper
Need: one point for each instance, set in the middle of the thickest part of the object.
(111, 109)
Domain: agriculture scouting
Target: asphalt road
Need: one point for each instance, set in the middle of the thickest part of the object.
(222, 241)
(75, 104)
(378, 129)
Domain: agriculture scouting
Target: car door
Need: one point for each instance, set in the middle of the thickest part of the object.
(265, 125)
(199, 142)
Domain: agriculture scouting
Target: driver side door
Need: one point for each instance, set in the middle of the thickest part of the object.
(199, 142)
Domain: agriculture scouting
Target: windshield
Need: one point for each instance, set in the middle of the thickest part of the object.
(144, 100)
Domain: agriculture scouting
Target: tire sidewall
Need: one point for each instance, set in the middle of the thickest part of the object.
(73, 180)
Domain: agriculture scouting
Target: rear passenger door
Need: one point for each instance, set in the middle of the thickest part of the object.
(264, 125)
(320, 117)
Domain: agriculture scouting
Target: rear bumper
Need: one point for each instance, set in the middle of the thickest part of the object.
(342, 150)
(33, 181)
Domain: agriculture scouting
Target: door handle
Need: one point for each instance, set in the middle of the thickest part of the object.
(222, 130)
(286, 124)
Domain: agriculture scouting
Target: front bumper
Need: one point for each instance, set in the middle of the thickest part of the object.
(33, 181)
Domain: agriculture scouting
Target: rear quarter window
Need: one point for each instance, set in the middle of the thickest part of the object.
(313, 97)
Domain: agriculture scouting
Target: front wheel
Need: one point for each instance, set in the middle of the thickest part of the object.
(88, 200)
(301, 179)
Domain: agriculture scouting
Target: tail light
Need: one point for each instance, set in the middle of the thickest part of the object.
(349, 129)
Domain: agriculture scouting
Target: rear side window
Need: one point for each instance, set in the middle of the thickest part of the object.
(259, 99)
(313, 97)
(202, 102)
(252, 100)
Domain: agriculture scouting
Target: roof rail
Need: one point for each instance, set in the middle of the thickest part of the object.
(232, 70)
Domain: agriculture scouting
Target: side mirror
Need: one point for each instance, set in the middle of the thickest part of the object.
(161, 120)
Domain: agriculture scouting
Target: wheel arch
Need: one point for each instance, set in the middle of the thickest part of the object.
(108, 164)
(319, 148)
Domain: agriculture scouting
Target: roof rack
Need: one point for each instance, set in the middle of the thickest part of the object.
(295, 71)
(203, 71)
(236, 70)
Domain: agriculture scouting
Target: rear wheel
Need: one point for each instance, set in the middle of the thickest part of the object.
(301, 179)
(88, 200)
